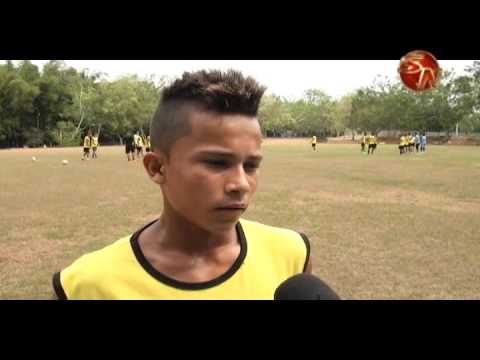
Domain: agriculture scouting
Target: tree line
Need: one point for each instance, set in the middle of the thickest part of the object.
(383, 105)
(59, 104)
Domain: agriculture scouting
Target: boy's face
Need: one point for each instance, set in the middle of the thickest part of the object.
(211, 174)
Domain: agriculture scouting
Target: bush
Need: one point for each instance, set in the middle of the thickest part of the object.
(34, 137)
(63, 135)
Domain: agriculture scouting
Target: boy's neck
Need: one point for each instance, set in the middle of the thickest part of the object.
(175, 233)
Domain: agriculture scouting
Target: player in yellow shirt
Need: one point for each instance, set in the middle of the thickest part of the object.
(87, 144)
(206, 142)
(363, 141)
(412, 140)
(94, 143)
(372, 144)
(138, 144)
(314, 143)
(147, 144)
(405, 143)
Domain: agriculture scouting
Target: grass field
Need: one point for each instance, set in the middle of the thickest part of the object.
(381, 227)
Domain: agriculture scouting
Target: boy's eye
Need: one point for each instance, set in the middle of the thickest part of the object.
(251, 166)
(223, 164)
(216, 163)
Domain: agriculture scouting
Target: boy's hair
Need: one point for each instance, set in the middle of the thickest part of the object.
(211, 91)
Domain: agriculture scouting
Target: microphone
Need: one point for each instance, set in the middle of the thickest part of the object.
(304, 287)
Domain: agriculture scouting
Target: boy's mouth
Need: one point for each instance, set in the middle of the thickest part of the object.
(233, 207)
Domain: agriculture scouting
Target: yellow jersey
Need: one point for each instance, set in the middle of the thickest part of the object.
(314, 140)
(138, 140)
(268, 256)
(86, 142)
(373, 139)
(94, 141)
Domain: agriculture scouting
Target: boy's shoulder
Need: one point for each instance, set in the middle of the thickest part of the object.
(290, 247)
(93, 270)
(111, 254)
(279, 236)
(258, 226)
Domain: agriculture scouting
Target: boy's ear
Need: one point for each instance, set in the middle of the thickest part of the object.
(155, 166)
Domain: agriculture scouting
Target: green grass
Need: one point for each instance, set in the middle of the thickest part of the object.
(381, 227)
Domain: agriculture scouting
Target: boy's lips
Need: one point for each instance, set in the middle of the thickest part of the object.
(233, 206)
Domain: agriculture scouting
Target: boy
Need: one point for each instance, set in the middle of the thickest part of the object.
(314, 143)
(206, 151)
(411, 144)
(407, 142)
(130, 147)
(363, 141)
(372, 144)
(138, 144)
(94, 143)
(423, 143)
(87, 144)
(147, 144)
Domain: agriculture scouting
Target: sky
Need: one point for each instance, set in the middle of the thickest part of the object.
(287, 78)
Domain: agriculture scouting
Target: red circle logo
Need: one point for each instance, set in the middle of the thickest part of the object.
(419, 70)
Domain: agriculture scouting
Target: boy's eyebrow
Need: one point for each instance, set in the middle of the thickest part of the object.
(226, 154)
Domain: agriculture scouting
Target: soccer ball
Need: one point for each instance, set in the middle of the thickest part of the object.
(65, 162)
(34, 158)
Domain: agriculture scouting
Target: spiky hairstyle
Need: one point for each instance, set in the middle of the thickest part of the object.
(212, 91)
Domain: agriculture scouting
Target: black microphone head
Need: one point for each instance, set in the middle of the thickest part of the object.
(304, 287)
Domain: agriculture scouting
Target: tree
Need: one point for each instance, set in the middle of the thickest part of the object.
(341, 114)
(274, 116)
(17, 97)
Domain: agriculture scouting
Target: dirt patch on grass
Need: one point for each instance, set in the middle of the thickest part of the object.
(396, 197)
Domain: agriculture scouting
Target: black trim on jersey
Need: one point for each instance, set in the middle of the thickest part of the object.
(307, 245)
(57, 286)
(185, 285)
